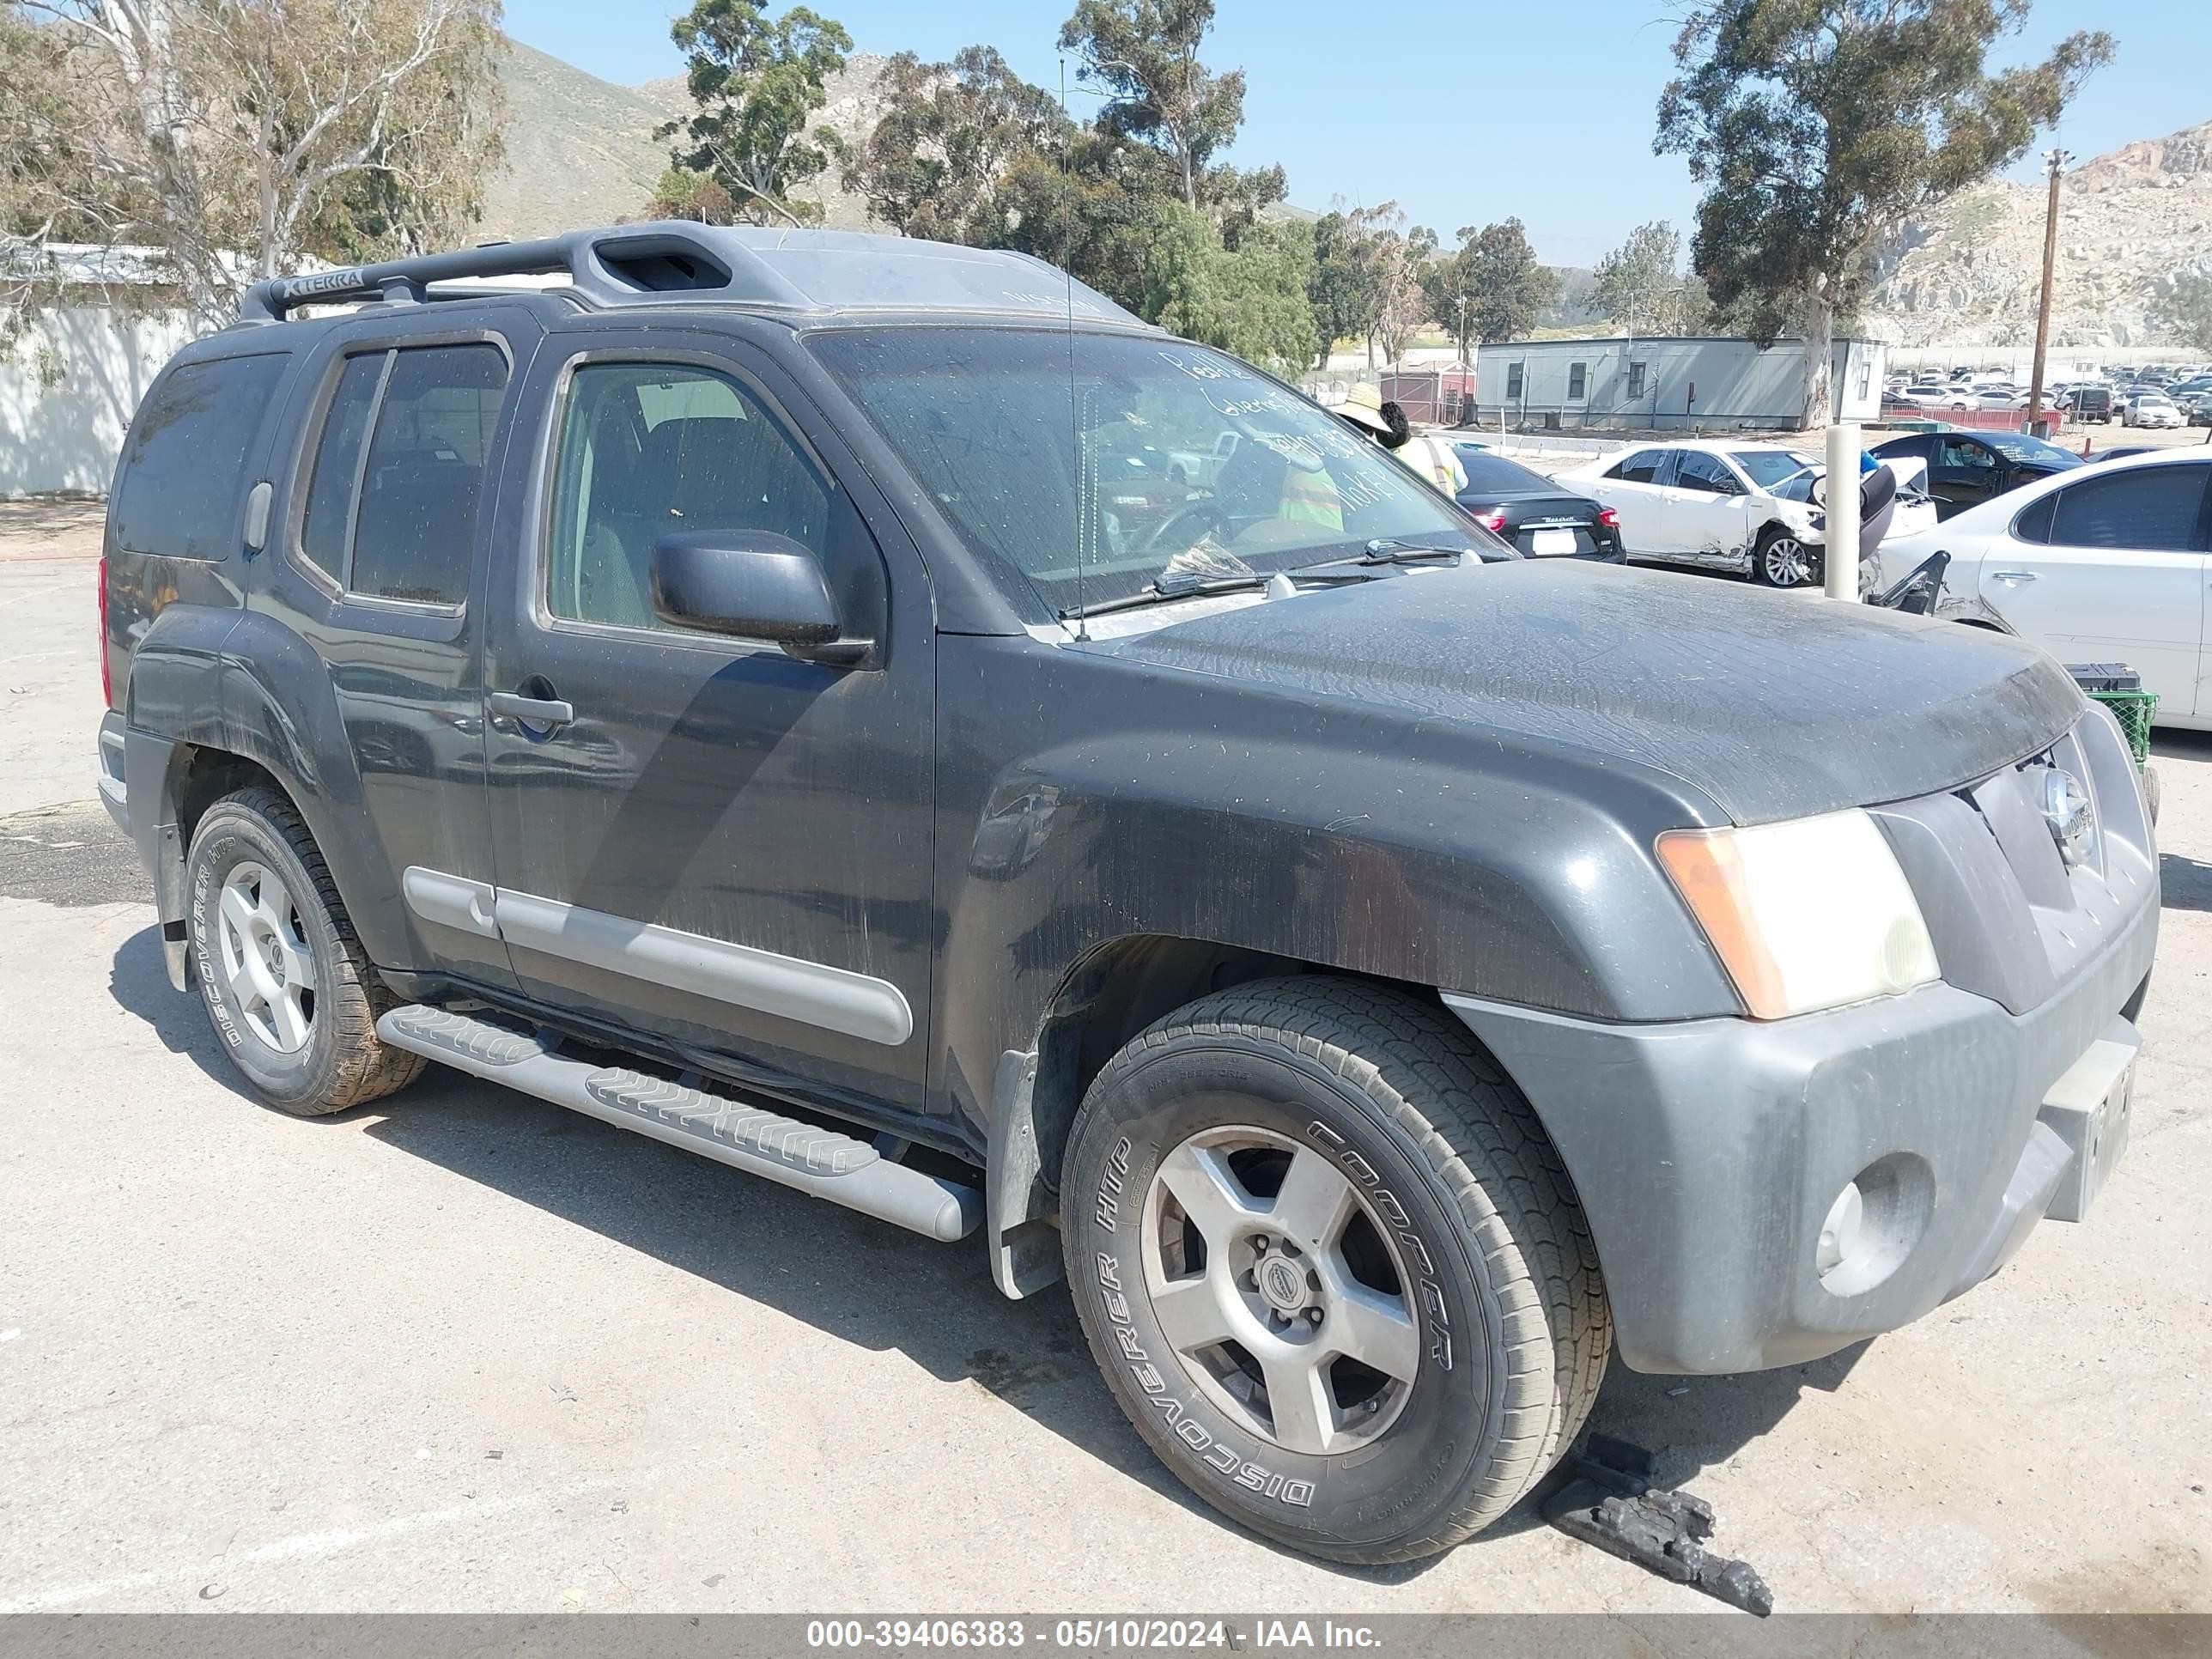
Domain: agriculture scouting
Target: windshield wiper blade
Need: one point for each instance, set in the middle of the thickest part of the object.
(1153, 593)
(1387, 550)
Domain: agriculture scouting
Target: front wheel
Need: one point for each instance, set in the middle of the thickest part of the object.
(1332, 1267)
(1781, 560)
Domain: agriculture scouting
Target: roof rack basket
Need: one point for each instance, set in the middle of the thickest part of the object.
(630, 265)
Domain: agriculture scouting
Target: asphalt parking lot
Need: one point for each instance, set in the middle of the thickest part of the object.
(464, 1351)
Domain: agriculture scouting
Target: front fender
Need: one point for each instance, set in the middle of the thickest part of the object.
(1435, 855)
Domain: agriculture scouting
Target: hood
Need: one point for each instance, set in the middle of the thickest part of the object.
(1773, 705)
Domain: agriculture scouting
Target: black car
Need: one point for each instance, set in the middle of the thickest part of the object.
(1967, 468)
(1535, 514)
(757, 696)
(2090, 403)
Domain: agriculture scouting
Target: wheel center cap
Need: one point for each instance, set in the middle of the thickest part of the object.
(1283, 1284)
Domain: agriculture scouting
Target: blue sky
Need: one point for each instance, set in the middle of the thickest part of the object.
(1543, 111)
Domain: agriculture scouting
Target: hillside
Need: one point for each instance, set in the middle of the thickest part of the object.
(1970, 270)
(580, 150)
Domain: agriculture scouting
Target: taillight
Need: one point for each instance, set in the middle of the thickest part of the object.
(1494, 520)
(106, 678)
(1607, 518)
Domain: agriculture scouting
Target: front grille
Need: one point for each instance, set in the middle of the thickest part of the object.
(2010, 918)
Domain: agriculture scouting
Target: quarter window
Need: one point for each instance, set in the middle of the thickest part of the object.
(186, 459)
(647, 449)
(2152, 509)
(398, 479)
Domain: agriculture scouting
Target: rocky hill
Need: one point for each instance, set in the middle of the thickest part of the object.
(580, 150)
(1969, 271)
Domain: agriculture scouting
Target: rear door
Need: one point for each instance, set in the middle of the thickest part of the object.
(385, 519)
(2113, 568)
(717, 846)
(1635, 488)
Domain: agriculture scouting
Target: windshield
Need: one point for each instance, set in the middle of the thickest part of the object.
(1125, 454)
(1768, 467)
(2033, 452)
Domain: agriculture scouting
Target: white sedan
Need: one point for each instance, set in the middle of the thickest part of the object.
(2102, 563)
(1743, 507)
(2153, 409)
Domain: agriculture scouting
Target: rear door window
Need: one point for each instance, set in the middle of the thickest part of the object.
(184, 466)
(2156, 510)
(398, 477)
(1643, 467)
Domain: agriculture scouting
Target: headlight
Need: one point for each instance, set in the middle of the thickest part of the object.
(1804, 915)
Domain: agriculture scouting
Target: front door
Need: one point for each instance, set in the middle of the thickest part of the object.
(1705, 520)
(1964, 472)
(2112, 568)
(704, 839)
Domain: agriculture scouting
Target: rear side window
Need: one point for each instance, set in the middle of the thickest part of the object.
(178, 497)
(398, 476)
(1642, 467)
(2151, 508)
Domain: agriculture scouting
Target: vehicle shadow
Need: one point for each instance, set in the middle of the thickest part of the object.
(866, 1282)
(2184, 884)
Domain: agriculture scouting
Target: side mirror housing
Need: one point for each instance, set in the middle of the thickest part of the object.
(750, 583)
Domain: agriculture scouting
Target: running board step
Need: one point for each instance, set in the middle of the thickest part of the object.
(822, 1162)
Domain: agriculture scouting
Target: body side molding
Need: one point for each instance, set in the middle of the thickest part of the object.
(832, 999)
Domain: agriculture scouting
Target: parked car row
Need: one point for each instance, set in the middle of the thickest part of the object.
(2103, 561)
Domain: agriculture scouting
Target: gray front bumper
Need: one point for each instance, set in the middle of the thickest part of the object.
(1707, 1154)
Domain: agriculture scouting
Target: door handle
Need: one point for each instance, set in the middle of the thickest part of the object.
(542, 712)
(2012, 575)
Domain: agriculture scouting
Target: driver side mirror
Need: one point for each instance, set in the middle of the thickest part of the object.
(754, 585)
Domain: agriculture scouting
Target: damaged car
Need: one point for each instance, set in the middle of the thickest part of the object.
(1753, 509)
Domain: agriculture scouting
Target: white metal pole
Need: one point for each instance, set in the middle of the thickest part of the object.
(1842, 492)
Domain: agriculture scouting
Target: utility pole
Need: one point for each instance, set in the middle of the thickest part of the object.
(2057, 160)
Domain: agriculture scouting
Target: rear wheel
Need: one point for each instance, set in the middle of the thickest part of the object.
(1331, 1268)
(1781, 560)
(287, 986)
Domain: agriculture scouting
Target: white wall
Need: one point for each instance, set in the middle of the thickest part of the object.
(66, 435)
(1738, 385)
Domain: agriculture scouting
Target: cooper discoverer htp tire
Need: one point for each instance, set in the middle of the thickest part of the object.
(1333, 1269)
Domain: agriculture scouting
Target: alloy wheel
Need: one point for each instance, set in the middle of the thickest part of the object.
(266, 962)
(1786, 561)
(1281, 1291)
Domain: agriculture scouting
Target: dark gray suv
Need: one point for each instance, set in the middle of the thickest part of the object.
(773, 692)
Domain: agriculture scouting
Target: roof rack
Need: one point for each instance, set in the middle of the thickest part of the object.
(629, 264)
(674, 261)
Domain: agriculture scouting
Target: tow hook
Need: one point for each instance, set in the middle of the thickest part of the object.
(1614, 1506)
